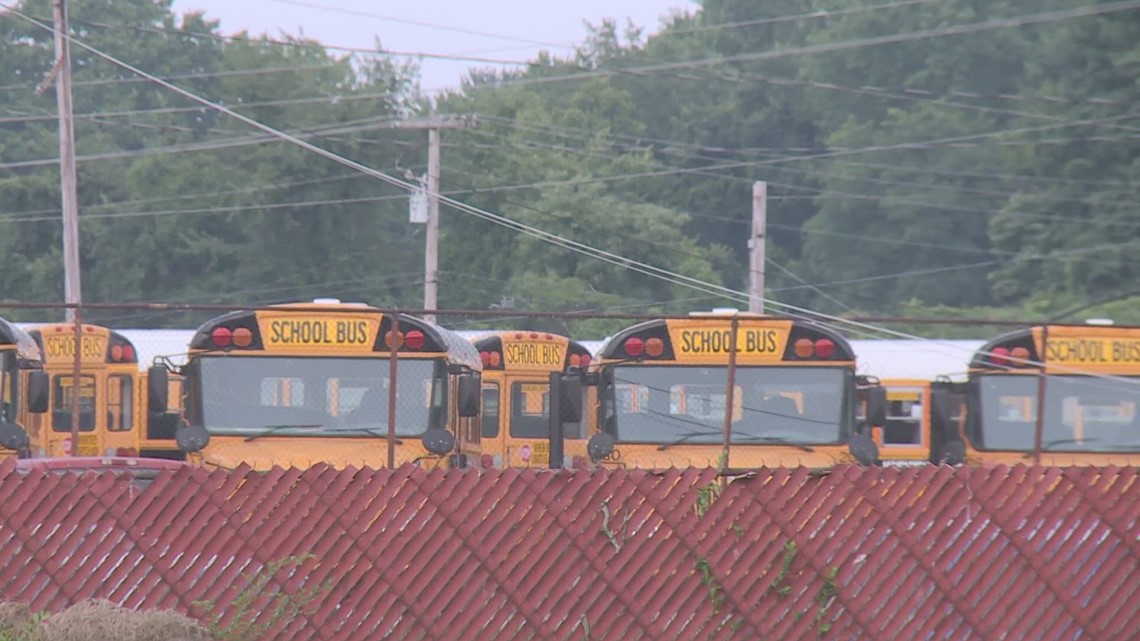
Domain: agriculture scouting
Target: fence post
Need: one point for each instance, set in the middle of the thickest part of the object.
(729, 400)
(393, 348)
(76, 372)
(555, 423)
(1039, 427)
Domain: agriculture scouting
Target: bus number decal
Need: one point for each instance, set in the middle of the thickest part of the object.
(93, 347)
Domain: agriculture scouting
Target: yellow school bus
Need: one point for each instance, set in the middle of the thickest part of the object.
(1072, 390)
(297, 385)
(23, 390)
(904, 438)
(515, 418)
(662, 390)
(107, 387)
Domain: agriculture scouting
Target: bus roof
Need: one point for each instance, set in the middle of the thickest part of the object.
(1063, 347)
(460, 350)
(118, 349)
(26, 347)
(789, 331)
(528, 350)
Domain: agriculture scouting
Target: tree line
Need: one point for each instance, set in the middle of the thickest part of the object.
(991, 173)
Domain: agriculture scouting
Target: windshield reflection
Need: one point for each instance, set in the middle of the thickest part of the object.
(1082, 414)
(686, 405)
(319, 396)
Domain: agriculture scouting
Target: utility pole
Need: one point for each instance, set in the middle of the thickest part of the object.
(61, 73)
(756, 247)
(434, 125)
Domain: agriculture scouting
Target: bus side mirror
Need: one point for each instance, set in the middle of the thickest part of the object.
(12, 436)
(38, 386)
(570, 399)
(192, 438)
(876, 406)
(600, 446)
(157, 388)
(468, 395)
(863, 448)
(438, 441)
(947, 446)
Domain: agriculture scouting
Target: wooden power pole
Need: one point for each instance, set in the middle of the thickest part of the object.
(431, 251)
(756, 247)
(61, 74)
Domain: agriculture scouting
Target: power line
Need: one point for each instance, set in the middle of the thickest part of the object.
(300, 43)
(844, 194)
(208, 145)
(845, 45)
(572, 245)
(183, 76)
(415, 23)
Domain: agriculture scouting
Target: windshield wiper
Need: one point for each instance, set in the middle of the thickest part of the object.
(1062, 441)
(382, 431)
(269, 429)
(778, 440)
(686, 436)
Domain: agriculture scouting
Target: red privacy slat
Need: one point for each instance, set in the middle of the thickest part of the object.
(915, 553)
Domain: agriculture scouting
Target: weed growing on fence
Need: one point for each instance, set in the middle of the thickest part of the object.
(706, 495)
(716, 594)
(258, 607)
(778, 584)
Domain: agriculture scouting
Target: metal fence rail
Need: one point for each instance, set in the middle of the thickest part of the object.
(858, 553)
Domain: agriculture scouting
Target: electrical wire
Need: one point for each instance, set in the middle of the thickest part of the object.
(605, 256)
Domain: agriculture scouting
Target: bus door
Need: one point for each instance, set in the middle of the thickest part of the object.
(63, 391)
(121, 434)
(905, 436)
(107, 416)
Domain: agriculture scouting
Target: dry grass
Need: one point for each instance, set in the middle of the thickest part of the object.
(97, 620)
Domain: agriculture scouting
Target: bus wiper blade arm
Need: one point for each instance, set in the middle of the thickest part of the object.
(382, 432)
(269, 429)
(779, 440)
(685, 437)
(1062, 441)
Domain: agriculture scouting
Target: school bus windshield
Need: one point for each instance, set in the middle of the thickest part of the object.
(1082, 413)
(671, 404)
(320, 396)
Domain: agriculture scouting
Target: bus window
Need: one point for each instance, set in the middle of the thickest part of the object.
(704, 402)
(62, 390)
(530, 410)
(490, 416)
(120, 403)
(283, 392)
(905, 411)
(631, 398)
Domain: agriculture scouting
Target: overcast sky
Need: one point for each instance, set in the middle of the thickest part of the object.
(501, 29)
